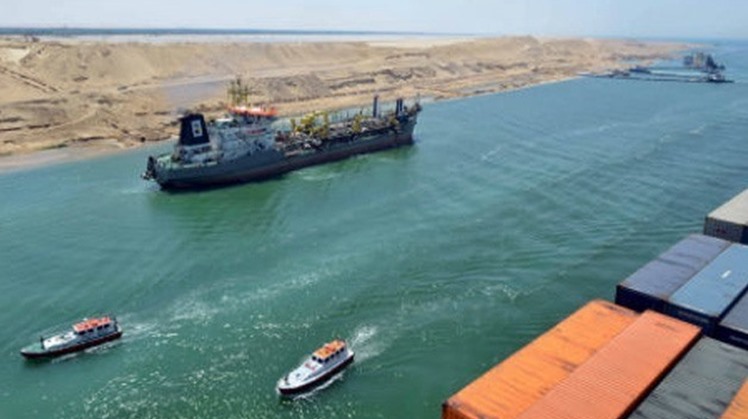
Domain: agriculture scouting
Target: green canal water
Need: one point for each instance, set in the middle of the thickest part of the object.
(435, 262)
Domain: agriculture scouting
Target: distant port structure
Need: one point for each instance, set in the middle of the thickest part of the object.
(698, 67)
(703, 62)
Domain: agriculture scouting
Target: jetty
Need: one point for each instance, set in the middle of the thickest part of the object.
(697, 68)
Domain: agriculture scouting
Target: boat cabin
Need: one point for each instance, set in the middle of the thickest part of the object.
(98, 325)
(329, 352)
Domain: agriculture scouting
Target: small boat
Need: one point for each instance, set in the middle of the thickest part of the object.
(717, 77)
(88, 333)
(324, 363)
(640, 69)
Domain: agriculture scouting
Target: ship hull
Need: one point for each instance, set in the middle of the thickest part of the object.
(252, 169)
(45, 354)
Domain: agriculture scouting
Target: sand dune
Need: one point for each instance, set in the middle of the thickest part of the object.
(59, 94)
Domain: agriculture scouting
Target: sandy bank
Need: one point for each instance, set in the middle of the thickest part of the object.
(118, 95)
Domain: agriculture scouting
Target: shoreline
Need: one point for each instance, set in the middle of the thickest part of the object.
(51, 157)
(73, 100)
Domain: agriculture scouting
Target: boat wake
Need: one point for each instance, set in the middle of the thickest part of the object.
(96, 350)
(66, 357)
(192, 310)
(273, 291)
(698, 130)
(317, 175)
(487, 156)
(364, 345)
(103, 348)
(137, 190)
(506, 290)
(138, 330)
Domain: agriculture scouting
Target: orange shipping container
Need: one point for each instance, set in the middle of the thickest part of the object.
(521, 380)
(738, 408)
(613, 381)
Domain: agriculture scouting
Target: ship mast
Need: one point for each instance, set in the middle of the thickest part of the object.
(237, 92)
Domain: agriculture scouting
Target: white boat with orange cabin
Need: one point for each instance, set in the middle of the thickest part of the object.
(85, 334)
(318, 368)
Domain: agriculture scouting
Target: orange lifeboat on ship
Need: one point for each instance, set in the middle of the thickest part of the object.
(260, 111)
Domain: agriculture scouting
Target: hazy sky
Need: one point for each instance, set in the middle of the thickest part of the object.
(634, 18)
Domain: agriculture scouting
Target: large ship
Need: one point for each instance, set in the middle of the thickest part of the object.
(243, 146)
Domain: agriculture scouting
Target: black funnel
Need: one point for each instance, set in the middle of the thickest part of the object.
(193, 130)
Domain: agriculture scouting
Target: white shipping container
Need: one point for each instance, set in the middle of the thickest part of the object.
(730, 221)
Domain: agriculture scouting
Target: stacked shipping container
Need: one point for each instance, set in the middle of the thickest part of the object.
(614, 380)
(738, 408)
(655, 282)
(517, 383)
(707, 297)
(700, 386)
(604, 361)
(730, 221)
(599, 363)
(698, 280)
(734, 328)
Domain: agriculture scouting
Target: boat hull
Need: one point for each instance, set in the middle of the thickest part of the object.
(290, 391)
(45, 354)
(250, 170)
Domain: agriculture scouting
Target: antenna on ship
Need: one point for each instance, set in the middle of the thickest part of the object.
(375, 106)
(237, 92)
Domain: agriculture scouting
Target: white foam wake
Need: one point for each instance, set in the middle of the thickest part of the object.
(366, 343)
